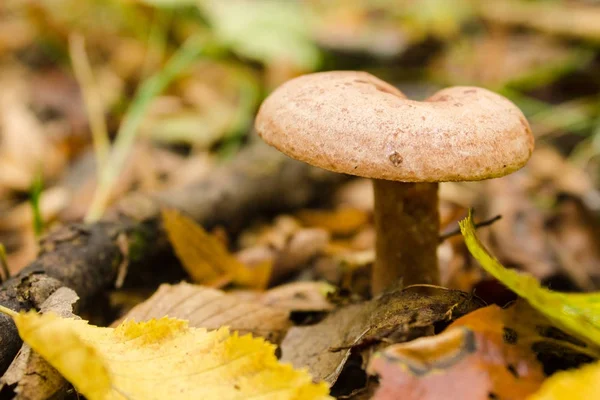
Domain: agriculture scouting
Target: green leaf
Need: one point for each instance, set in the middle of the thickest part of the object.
(264, 30)
(577, 314)
(35, 195)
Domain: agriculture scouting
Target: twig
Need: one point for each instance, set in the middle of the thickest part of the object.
(481, 224)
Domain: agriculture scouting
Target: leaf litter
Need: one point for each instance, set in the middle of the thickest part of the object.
(273, 272)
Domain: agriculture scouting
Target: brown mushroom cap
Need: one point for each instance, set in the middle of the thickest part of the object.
(355, 123)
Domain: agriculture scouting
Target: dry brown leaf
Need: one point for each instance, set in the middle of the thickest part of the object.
(342, 221)
(575, 237)
(295, 296)
(394, 317)
(26, 149)
(300, 248)
(519, 238)
(209, 308)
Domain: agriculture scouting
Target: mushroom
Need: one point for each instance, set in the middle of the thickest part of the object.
(354, 123)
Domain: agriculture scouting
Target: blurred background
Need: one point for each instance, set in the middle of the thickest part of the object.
(99, 98)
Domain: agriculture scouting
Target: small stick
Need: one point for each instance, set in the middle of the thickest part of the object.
(478, 225)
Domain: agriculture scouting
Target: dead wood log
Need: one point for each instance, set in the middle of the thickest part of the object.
(86, 258)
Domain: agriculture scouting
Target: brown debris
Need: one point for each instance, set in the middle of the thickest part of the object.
(393, 317)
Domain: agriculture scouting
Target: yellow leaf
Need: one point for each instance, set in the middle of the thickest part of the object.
(577, 314)
(162, 359)
(583, 383)
(206, 259)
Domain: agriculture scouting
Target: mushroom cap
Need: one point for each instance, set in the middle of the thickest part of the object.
(355, 123)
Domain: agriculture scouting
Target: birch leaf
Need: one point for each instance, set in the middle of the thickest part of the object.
(162, 359)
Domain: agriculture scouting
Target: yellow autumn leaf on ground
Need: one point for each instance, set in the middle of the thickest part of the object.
(206, 259)
(583, 383)
(162, 359)
(577, 314)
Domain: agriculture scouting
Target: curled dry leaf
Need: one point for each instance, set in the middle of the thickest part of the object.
(206, 259)
(209, 308)
(33, 376)
(393, 317)
(145, 360)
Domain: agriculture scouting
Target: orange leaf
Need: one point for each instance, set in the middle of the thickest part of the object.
(206, 259)
(473, 359)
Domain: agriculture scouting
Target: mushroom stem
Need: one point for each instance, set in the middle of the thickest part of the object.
(407, 228)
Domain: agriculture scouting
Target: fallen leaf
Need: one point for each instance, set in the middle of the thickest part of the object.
(342, 221)
(299, 296)
(459, 363)
(299, 249)
(206, 259)
(574, 233)
(211, 309)
(309, 296)
(583, 383)
(33, 376)
(489, 353)
(155, 360)
(577, 314)
(394, 317)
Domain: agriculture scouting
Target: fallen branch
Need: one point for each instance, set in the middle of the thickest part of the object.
(86, 258)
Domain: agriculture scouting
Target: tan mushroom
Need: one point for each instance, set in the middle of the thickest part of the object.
(354, 123)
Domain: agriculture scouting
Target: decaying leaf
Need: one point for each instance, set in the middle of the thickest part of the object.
(206, 259)
(459, 363)
(577, 314)
(393, 317)
(488, 353)
(211, 309)
(33, 376)
(162, 359)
